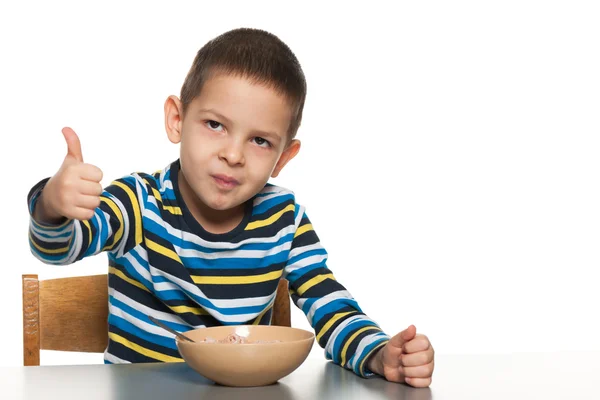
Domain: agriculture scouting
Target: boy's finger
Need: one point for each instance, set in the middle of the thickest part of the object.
(418, 358)
(422, 371)
(90, 172)
(90, 188)
(73, 144)
(88, 202)
(418, 382)
(403, 337)
(419, 343)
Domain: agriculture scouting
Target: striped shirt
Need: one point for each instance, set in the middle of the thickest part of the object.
(162, 263)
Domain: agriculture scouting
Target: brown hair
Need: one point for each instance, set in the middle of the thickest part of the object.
(254, 54)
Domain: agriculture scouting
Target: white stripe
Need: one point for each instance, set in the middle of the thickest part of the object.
(366, 341)
(147, 310)
(139, 268)
(118, 251)
(299, 250)
(49, 240)
(114, 359)
(260, 200)
(305, 262)
(76, 248)
(301, 210)
(99, 232)
(161, 180)
(340, 294)
(258, 254)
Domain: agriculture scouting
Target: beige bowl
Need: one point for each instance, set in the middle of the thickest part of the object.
(250, 364)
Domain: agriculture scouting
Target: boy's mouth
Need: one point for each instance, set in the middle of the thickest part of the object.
(225, 181)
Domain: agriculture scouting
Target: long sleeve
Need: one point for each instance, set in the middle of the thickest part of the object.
(114, 228)
(348, 336)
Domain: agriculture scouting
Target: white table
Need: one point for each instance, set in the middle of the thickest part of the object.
(548, 376)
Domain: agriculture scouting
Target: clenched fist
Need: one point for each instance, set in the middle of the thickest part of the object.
(74, 191)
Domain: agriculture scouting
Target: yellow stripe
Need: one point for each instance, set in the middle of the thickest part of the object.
(173, 210)
(47, 251)
(330, 323)
(136, 210)
(312, 282)
(87, 224)
(117, 212)
(236, 280)
(303, 229)
(349, 341)
(142, 350)
(186, 309)
(270, 220)
(120, 274)
(162, 250)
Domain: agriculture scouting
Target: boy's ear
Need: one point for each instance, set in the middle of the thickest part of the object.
(290, 152)
(173, 118)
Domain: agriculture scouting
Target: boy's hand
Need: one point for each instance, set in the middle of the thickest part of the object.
(407, 357)
(74, 191)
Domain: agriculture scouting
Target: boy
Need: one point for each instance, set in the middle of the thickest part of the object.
(206, 240)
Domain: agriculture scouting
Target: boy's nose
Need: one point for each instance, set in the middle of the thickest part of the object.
(232, 153)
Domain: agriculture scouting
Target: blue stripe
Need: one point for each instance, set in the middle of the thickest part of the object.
(55, 259)
(137, 332)
(333, 307)
(268, 204)
(233, 263)
(143, 317)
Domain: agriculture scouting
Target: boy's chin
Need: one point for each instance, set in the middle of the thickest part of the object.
(220, 205)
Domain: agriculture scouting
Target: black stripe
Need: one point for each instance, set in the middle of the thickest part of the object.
(51, 245)
(225, 291)
(144, 343)
(259, 270)
(326, 318)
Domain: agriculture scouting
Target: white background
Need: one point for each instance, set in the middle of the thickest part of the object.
(449, 160)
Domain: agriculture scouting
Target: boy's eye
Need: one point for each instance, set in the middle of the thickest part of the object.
(214, 125)
(262, 142)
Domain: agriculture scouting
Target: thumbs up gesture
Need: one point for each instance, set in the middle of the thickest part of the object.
(74, 191)
(407, 357)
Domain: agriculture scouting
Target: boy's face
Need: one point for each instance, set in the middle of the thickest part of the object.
(233, 138)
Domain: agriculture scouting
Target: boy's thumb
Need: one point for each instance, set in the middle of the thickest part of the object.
(405, 336)
(73, 144)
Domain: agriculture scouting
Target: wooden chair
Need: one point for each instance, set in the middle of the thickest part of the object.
(54, 320)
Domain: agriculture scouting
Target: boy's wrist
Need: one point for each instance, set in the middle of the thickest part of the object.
(42, 215)
(375, 363)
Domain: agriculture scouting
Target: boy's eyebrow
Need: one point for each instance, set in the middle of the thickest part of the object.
(256, 132)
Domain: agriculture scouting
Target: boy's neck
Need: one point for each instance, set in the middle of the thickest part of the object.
(213, 221)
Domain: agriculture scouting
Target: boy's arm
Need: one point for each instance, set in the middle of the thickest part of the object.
(72, 216)
(115, 226)
(348, 336)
